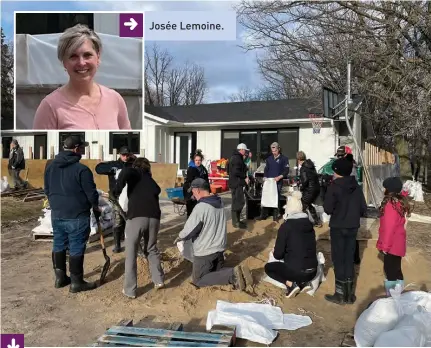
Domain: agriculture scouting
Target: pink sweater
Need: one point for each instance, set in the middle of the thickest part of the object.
(56, 112)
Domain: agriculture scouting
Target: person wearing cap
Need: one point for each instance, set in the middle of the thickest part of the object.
(197, 170)
(71, 191)
(110, 168)
(392, 232)
(206, 227)
(143, 223)
(16, 164)
(345, 203)
(277, 167)
(237, 181)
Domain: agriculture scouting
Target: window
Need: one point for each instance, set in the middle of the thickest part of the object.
(130, 139)
(266, 139)
(230, 141)
(63, 135)
(50, 23)
(288, 139)
(6, 141)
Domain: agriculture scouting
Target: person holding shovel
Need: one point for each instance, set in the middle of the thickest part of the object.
(71, 191)
(125, 160)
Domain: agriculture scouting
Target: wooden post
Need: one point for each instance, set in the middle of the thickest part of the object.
(142, 152)
(41, 152)
(51, 152)
(88, 151)
(101, 152)
(30, 152)
(160, 158)
(114, 154)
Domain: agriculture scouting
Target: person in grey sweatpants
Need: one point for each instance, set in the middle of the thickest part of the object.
(142, 222)
(207, 228)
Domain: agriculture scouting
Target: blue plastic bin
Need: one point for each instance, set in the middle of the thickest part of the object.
(176, 192)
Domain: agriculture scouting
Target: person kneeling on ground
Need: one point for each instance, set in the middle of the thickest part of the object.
(142, 222)
(207, 228)
(296, 245)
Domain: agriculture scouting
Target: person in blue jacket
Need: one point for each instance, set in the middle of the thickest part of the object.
(277, 166)
(71, 191)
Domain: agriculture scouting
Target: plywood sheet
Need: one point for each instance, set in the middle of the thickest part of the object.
(165, 174)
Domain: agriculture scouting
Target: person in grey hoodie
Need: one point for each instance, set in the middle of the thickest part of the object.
(207, 229)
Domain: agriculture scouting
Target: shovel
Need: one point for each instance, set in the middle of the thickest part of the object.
(107, 259)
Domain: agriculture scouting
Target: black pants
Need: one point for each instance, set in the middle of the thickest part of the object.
(392, 267)
(312, 210)
(281, 272)
(208, 270)
(238, 198)
(343, 245)
(190, 204)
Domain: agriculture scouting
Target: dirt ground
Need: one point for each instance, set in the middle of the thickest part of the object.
(49, 317)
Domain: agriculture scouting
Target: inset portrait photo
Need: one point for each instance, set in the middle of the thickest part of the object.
(74, 72)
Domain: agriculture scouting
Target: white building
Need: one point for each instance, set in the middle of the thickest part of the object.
(170, 134)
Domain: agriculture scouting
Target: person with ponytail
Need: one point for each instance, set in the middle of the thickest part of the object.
(392, 233)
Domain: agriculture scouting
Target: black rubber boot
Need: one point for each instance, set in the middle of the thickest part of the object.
(241, 224)
(117, 241)
(338, 297)
(78, 284)
(275, 214)
(59, 265)
(349, 295)
(234, 219)
(263, 214)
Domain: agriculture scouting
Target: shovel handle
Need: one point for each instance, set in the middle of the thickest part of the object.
(102, 239)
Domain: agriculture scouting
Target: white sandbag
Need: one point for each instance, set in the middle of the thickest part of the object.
(412, 299)
(315, 283)
(380, 317)
(269, 194)
(255, 321)
(246, 326)
(414, 188)
(410, 331)
(186, 249)
(123, 200)
(105, 209)
(4, 186)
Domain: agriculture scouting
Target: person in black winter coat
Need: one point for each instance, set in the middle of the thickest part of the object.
(143, 222)
(197, 170)
(110, 168)
(16, 164)
(237, 181)
(309, 185)
(296, 246)
(71, 191)
(345, 202)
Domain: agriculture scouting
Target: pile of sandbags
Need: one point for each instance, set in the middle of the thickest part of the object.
(414, 189)
(107, 218)
(403, 320)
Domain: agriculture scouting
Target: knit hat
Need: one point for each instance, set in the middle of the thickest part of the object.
(342, 167)
(393, 184)
(294, 204)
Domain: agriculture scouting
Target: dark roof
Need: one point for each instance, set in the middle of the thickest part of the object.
(237, 111)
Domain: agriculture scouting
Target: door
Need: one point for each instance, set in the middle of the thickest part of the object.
(249, 138)
(40, 140)
(266, 139)
(183, 148)
(6, 141)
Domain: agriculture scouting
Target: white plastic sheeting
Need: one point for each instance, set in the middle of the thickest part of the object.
(414, 188)
(254, 321)
(37, 65)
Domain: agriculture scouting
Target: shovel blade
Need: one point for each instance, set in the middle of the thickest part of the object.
(106, 267)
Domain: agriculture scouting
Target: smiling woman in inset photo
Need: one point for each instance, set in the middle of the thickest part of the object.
(81, 103)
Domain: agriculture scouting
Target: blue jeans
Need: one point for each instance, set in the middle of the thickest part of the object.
(72, 233)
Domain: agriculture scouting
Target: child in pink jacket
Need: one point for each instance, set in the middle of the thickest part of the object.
(392, 232)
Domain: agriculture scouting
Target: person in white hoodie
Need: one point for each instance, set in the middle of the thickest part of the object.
(206, 227)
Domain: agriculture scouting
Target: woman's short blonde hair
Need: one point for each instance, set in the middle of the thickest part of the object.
(74, 37)
(300, 156)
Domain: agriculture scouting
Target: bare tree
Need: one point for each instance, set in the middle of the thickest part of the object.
(166, 84)
(307, 45)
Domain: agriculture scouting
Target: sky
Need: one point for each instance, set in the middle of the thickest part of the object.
(228, 68)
